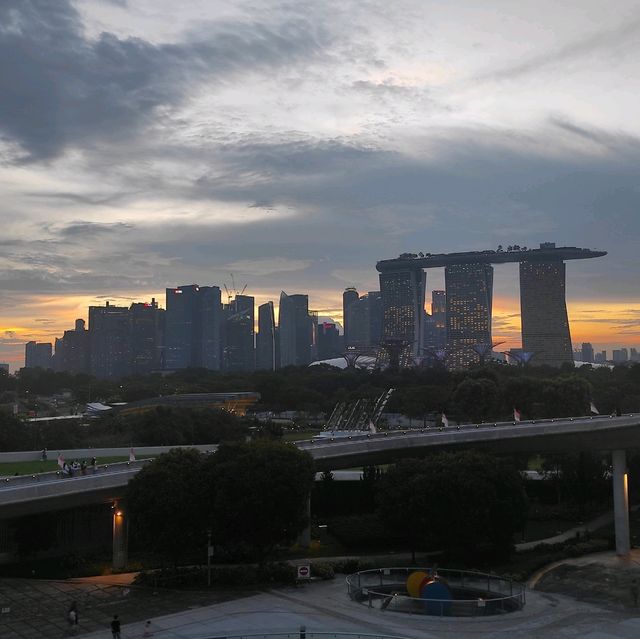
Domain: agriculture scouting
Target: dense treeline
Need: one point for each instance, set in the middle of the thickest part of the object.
(490, 392)
(158, 427)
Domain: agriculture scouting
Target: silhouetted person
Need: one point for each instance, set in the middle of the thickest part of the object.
(115, 627)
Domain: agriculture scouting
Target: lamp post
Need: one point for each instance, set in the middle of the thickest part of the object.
(209, 553)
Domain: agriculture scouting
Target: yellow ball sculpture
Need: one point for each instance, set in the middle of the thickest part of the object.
(415, 582)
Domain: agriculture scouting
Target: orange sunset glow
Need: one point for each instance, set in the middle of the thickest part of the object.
(607, 326)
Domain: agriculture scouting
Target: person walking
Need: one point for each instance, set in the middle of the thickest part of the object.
(115, 627)
(147, 630)
(72, 618)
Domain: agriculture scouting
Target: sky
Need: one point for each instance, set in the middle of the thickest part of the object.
(147, 143)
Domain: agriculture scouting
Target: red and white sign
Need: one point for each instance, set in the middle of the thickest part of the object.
(304, 572)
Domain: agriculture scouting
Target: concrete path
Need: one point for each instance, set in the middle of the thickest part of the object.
(325, 607)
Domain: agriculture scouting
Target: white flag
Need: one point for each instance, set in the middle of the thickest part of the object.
(445, 421)
(593, 409)
(60, 460)
(132, 455)
(516, 415)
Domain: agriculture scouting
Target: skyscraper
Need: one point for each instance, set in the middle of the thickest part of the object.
(109, 341)
(469, 298)
(147, 337)
(295, 330)
(439, 315)
(374, 299)
(349, 296)
(357, 319)
(72, 350)
(37, 355)
(266, 338)
(587, 352)
(545, 325)
(239, 349)
(327, 341)
(192, 327)
(402, 292)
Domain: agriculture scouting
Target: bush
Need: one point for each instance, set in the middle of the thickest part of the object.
(323, 570)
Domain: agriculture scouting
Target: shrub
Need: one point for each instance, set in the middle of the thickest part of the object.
(322, 569)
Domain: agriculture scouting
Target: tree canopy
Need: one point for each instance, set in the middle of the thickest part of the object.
(456, 502)
(252, 496)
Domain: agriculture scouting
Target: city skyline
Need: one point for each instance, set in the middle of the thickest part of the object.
(145, 145)
(508, 333)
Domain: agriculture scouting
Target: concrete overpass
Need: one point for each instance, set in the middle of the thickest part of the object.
(37, 493)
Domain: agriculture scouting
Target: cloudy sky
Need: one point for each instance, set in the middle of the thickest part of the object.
(149, 143)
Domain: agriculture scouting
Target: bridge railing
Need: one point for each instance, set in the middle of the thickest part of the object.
(324, 441)
(14, 481)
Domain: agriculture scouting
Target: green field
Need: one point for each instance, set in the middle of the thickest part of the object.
(32, 467)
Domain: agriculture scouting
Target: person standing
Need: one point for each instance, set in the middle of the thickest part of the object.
(115, 627)
(147, 630)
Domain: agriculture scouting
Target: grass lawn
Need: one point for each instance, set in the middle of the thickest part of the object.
(32, 467)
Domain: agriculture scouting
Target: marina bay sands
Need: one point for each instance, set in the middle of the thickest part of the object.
(546, 335)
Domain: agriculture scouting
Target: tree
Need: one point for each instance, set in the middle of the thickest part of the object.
(13, 433)
(477, 399)
(259, 494)
(456, 502)
(167, 504)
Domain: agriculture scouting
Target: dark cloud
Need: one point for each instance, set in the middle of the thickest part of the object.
(61, 89)
(92, 229)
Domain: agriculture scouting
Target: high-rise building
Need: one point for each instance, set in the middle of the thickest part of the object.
(357, 318)
(73, 350)
(192, 327)
(37, 355)
(545, 324)
(439, 315)
(402, 292)
(620, 356)
(147, 337)
(109, 341)
(633, 355)
(601, 357)
(350, 296)
(469, 299)
(374, 299)
(364, 318)
(239, 348)
(266, 338)
(328, 341)
(587, 353)
(294, 330)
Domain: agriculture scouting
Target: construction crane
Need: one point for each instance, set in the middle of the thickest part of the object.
(233, 292)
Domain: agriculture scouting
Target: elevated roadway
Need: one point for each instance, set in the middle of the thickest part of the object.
(48, 491)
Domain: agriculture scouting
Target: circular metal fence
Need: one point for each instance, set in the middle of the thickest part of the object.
(473, 593)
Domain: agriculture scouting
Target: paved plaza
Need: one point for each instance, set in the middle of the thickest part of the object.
(38, 609)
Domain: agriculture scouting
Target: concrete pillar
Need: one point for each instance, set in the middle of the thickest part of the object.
(305, 536)
(621, 502)
(120, 537)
